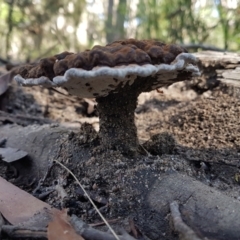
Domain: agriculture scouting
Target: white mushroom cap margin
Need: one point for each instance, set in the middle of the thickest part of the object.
(100, 81)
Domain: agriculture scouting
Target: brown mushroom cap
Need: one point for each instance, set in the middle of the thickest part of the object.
(96, 72)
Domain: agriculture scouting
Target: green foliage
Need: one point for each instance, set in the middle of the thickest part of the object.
(171, 20)
(30, 29)
(4, 10)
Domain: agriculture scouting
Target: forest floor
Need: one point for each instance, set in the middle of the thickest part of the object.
(196, 135)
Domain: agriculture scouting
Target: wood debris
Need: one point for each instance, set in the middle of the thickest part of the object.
(222, 66)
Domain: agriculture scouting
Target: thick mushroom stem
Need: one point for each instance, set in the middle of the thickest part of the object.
(117, 127)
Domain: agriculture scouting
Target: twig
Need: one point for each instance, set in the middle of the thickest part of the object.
(70, 97)
(185, 232)
(112, 231)
(103, 223)
(95, 197)
(24, 232)
(61, 191)
(42, 196)
(37, 188)
(19, 119)
(90, 233)
(145, 150)
(133, 228)
(91, 212)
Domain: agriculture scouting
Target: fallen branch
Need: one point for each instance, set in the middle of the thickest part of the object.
(24, 232)
(81, 228)
(89, 233)
(220, 66)
(22, 119)
(203, 47)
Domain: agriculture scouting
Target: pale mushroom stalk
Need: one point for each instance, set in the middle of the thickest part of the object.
(115, 75)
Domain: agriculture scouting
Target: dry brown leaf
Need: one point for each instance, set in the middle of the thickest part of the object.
(60, 228)
(18, 206)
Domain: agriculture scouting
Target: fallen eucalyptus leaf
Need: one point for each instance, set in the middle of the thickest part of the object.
(19, 207)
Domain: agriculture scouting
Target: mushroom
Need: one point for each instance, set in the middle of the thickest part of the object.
(115, 75)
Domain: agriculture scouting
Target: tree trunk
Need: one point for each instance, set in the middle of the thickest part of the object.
(109, 22)
(10, 25)
(121, 13)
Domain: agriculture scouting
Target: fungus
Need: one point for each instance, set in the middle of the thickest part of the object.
(115, 75)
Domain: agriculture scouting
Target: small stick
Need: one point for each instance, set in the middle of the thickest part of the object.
(102, 223)
(185, 232)
(90, 233)
(133, 228)
(145, 150)
(24, 232)
(101, 209)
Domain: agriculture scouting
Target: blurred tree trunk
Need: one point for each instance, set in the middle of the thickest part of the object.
(121, 14)
(224, 22)
(109, 22)
(115, 26)
(166, 20)
(10, 26)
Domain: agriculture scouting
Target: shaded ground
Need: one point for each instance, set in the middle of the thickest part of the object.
(198, 138)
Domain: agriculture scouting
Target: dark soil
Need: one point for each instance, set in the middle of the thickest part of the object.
(199, 138)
